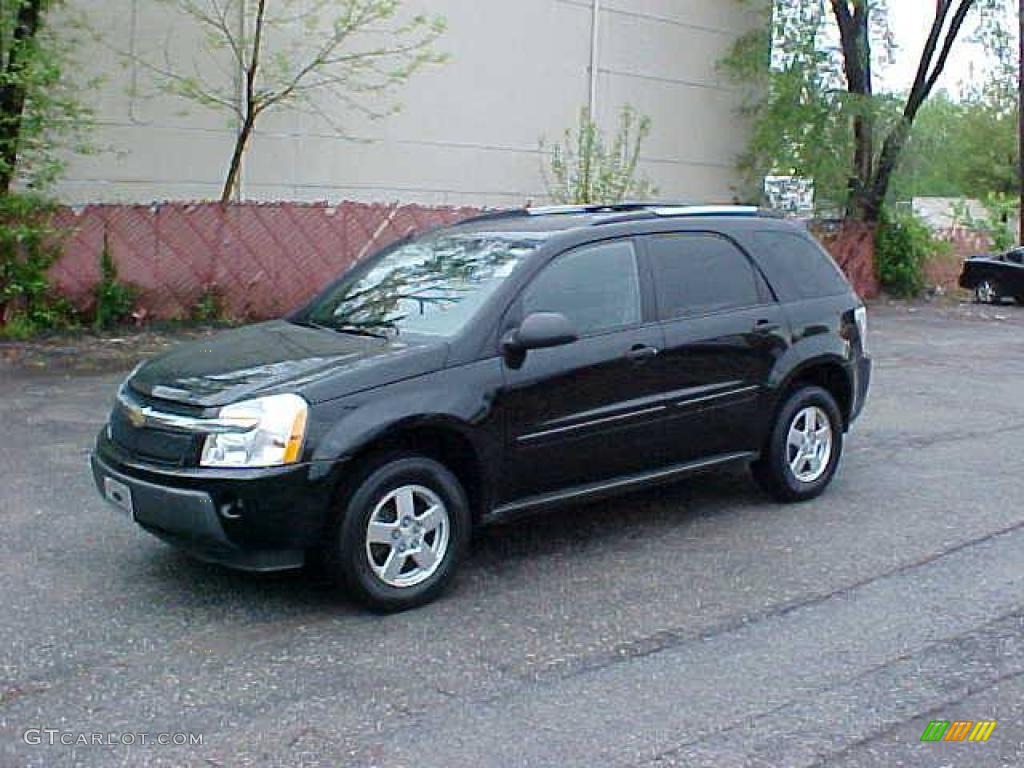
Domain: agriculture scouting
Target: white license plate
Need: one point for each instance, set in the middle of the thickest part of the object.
(119, 494)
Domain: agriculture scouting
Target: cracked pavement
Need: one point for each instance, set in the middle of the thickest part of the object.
(695, 625)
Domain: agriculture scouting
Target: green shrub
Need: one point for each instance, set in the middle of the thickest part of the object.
(114, 299)
(210, 307)
(18, 327)
(1001, 211)
(903, 246)
(29, 245)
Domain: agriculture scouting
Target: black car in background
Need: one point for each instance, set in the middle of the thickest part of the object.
(516, 362)
(995, 277)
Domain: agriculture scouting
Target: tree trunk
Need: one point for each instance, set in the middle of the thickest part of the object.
(13, 92)
(252, 108)
(231, 182)
(855, 40)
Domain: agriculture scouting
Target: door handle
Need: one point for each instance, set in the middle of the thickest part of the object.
(641, 353)
(766, 326)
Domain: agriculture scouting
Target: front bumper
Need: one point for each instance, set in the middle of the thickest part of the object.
(252, 519)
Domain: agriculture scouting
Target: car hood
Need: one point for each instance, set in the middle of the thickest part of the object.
(270, 357)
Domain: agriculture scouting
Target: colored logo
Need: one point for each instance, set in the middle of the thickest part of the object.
(961, 730)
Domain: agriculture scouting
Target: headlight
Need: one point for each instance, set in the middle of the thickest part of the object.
(270, 432)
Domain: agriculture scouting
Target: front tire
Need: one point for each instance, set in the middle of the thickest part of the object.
(400, 534)
(804, 448)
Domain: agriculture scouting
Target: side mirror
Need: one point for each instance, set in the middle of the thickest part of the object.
(541, 330)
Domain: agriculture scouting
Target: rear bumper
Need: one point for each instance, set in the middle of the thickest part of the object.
(861, 386)
(258, 520)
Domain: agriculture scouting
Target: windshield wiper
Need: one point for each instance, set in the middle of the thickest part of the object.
(356, 329)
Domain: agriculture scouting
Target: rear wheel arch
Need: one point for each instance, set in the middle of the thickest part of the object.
(831, 375)
(803, 451)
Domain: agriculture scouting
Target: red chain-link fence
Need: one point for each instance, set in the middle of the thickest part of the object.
(259, 260)
(852, 245)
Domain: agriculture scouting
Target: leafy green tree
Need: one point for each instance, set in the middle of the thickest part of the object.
(41, 114)
(41, 119)
(584, 169)
(986, 147)
(297, 54)
(961, 148)
(928, 168)
(814, 105)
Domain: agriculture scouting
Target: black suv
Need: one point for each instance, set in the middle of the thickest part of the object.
(515, 362)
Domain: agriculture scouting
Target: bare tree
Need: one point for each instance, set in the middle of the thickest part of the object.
(297, 54)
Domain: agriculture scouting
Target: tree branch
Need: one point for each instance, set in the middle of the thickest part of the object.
(925, 64)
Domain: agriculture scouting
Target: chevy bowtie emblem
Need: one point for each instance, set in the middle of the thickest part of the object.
(136, 416)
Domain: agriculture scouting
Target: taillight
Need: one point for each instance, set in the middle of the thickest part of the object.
(861, 316)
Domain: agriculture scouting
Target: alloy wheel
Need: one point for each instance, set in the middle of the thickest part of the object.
(407, 536)
(809, 445)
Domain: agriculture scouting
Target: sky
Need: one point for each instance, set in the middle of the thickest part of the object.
(910, 22)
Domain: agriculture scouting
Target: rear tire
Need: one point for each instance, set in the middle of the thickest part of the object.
(804, 448)
(400, 533)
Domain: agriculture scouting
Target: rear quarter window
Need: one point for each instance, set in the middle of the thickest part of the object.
(797, 267)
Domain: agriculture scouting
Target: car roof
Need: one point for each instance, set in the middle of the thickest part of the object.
(541, 223)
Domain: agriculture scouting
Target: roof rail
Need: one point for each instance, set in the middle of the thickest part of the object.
(504, 213)
(657, 209)
(706, 210)
(648, 209)
(560, 210)
(554, 210)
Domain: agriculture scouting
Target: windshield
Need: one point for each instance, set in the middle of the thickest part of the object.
(431, 286)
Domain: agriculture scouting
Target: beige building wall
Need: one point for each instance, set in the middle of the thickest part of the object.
(468, 131)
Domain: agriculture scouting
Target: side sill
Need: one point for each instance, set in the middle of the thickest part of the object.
(614, 487)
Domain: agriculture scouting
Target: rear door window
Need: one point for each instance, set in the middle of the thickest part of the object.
(700, 273)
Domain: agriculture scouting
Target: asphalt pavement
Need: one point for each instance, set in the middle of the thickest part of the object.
(697, 625)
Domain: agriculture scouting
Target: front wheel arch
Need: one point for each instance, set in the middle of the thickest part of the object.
(345, 554)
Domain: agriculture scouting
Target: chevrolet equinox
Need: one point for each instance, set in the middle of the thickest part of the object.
(515, 362)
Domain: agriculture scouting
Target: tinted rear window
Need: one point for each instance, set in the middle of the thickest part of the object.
(797, 267)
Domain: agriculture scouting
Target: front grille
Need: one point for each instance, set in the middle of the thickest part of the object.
(151, 444)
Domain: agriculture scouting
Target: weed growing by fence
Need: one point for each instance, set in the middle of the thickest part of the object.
(29, 245)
